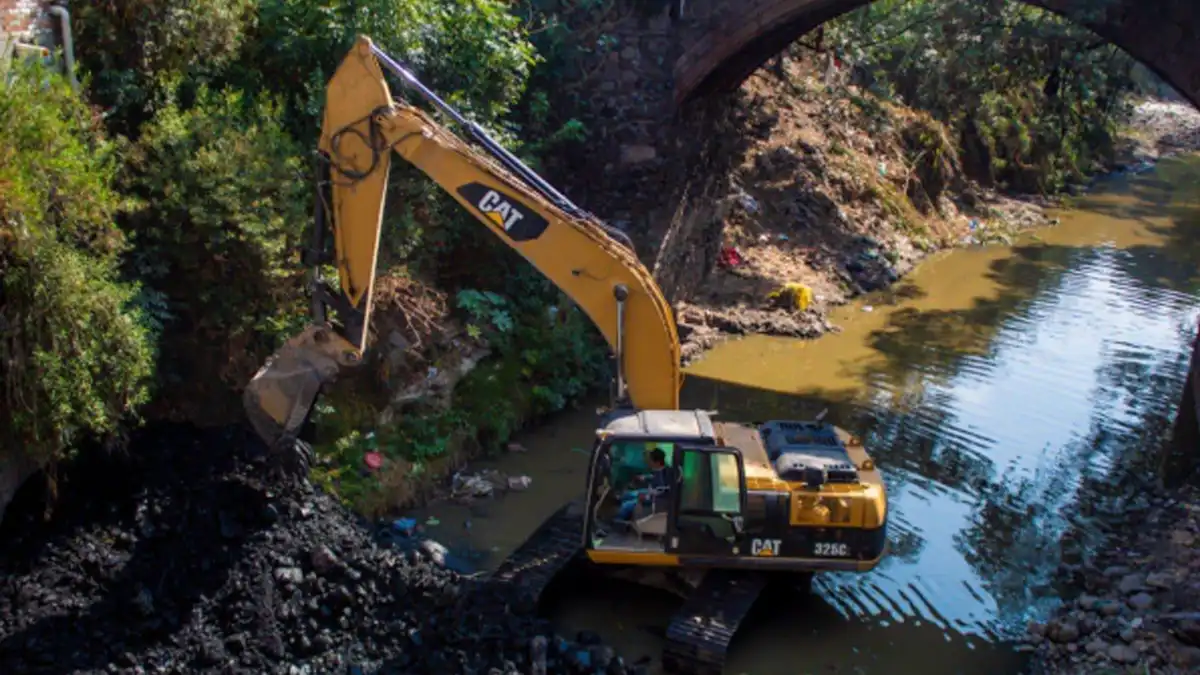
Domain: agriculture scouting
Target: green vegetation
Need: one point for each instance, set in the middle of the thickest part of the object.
(75, 352)
(155, 271)
(1036, 100)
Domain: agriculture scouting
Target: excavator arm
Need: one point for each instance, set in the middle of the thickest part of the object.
(586, 259)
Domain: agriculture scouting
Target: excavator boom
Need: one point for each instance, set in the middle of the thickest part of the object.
(586, 259)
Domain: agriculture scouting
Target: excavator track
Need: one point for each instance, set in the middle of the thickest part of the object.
(528, 571)
(699, 635)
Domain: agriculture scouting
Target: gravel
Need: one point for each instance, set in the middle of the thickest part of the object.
(1140, 605)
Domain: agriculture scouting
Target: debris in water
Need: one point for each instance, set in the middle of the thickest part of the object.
(519, 482)
(405, 526)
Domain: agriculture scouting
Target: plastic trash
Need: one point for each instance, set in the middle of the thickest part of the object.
(519, 482)
(795, 294)
(373, 460)
(730, 257)
(405, 526)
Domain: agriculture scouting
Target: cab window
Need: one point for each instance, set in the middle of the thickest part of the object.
(631, 458)
(710, 483)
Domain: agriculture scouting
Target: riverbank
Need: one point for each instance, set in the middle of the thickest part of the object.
(843, 198)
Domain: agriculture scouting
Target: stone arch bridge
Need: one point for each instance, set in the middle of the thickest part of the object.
(670, 53)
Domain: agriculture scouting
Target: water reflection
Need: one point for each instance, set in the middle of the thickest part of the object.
(1002, 390)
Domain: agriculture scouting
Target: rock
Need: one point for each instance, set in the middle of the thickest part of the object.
(193, 599)
(1141, 602)
(637, 154)
(289, 575)
(1132, 583)
(1122, 654)
(1188, 657)
(1115, 571)
(144, 601)
(1097, 646)
(323, 560)
(1160, 580)
(1188, 632)
(1063, 631)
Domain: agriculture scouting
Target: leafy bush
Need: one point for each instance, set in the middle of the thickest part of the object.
(222, 203)
(75, 355)
(1036, 98)
(473, 52)
(134, 47)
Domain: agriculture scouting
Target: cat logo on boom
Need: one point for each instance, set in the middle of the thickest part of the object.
(517, 221)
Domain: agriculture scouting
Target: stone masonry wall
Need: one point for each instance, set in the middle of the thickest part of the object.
(17, 16)
(26, 20)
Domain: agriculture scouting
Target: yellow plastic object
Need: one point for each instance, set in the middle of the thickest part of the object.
(793, 294)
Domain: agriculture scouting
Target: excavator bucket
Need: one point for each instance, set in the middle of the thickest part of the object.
(279, 397)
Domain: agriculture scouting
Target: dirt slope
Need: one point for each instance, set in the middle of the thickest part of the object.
(844, 196)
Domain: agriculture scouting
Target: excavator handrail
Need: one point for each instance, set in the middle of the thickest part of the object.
(502, 154)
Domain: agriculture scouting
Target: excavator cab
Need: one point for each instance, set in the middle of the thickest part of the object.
(784, 495)
(699, 512)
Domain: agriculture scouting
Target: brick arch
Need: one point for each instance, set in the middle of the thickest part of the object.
(730, 39)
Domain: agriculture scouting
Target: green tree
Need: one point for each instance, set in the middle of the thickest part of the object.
(1037, 99)
(221, 204)
(76, 353)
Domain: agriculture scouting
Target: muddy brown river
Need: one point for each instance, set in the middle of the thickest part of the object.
(997, 388)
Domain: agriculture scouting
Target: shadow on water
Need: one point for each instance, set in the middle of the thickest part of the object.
(1011, 394)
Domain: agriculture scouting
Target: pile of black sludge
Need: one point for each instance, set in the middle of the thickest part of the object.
(181, 556)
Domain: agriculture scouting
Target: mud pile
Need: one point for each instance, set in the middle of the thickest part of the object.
(180, 558)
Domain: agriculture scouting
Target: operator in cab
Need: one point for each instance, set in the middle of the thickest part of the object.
(657, 492)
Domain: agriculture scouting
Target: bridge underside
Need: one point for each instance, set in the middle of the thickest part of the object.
(741, 35)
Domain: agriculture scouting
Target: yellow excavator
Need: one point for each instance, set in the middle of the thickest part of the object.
(732, 504)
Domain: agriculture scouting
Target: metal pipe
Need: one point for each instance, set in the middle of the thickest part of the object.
(64, 18)
(621, 293)
(507, 158)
